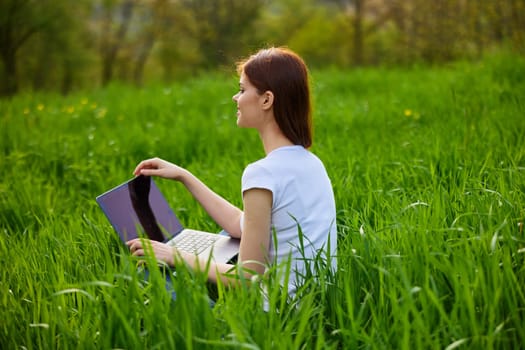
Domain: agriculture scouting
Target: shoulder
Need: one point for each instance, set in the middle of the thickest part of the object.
(269, 172)
(259, 167)
(258, 175)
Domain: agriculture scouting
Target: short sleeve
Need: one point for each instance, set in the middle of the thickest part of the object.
(256, 176)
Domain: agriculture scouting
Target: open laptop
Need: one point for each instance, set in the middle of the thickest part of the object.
(137, 208)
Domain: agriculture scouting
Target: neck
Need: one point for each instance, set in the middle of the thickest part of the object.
(273, 138)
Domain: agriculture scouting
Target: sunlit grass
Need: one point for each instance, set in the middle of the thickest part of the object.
(428, 168)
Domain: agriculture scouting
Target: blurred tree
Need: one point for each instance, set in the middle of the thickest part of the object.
(177, 50)
(156, 17)
(62, 44)
(173, 29)
(113, 19)
(366, 18)
(507, 21)
(223, 28)
(319, 31)
(358, 31)
(20, 21)
(282, 19)
(39, 46)
(187, 33)
(55, 57)
(354, 9)
(322, 40)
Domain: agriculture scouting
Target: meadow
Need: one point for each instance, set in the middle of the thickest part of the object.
(428, 169)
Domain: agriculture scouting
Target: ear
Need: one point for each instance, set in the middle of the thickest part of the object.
(267, 100)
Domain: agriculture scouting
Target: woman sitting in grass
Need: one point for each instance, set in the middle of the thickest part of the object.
(285, 193)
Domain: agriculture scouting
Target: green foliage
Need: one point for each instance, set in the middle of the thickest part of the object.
(64, 45)
(323, 40)
(427, 166)
(35, 49)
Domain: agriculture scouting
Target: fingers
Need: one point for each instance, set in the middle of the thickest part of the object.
(146, 164)
(158, 167)
(160, 251)
(135, 247)
(148, 172)
(138, 168)
(147, 167)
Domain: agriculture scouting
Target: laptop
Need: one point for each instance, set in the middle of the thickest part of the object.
(137, 208)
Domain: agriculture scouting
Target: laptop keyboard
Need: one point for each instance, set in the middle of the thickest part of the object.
(195, 242)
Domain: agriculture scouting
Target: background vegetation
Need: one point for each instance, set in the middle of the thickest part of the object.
(427, 164)
(62, 45)
(419, 120)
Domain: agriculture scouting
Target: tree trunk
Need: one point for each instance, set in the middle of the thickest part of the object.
(110, 50)
(67, 77)
(10, 82)
(358, 32)
(41, 72)
(142, 58)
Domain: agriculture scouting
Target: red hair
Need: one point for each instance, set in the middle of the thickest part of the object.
(285, 74)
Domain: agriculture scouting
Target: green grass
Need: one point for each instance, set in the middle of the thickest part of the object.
(428, 168)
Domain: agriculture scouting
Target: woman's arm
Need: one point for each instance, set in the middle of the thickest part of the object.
(255, 242)
(225, 214)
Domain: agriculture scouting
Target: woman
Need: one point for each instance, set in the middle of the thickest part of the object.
(282, 192)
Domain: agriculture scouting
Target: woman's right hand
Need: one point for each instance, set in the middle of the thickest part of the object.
(159, 167)
(223, 212)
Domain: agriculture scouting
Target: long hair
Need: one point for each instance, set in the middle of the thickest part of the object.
(285, 74)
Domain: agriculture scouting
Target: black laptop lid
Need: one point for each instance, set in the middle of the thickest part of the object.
(138, 206)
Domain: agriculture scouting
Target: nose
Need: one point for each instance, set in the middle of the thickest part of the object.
(235, 97)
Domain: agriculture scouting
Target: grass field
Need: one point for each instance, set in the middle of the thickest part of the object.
(428, 168)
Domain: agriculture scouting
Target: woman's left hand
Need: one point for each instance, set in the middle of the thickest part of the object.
(161, 251)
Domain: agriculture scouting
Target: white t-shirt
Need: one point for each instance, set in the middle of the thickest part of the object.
(302, 195)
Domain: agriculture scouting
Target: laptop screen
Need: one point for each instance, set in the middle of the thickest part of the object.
(138, 207)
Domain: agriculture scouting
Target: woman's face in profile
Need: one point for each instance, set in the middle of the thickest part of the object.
(248, 102)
